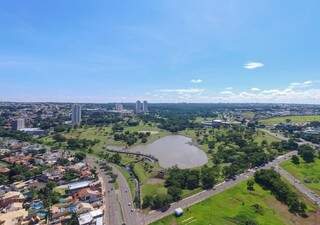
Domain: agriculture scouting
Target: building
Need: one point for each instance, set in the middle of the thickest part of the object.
(119, 107)
(19, 124)
(139, 107)
(142, 107)
(76, 115)
(33, 131)
(145, 107)
(93, 217)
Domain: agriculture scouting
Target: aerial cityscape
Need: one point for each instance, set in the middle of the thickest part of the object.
(159, 112)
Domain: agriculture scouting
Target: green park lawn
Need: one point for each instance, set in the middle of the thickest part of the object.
(225, 209)
(293, 119)
(105, 136)
(261, 135)
(308, 173)
(159, 188)
(248, 115)
(150, 189)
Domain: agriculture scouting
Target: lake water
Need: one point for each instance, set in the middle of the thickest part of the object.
(174, 150)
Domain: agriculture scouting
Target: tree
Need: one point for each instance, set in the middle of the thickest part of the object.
(115, 158)
(59, 138)
(230, 171)
(80, 156)
(192, 181)
(208, 177)
(73, 220)
(175, 193)
(271, 180)
(250, 185)
(161, 201)
(307, 153)
(144, 140)
(147, 201)
(295, 160)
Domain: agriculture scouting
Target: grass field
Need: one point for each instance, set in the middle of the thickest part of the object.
(105, 136)
(153, 189)
(237, 202)
(261, 135)
(248, 115)
(293, 119)
(308, 173)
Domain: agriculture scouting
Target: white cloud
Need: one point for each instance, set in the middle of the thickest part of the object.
(229, 88)
(298, 92)
(183, 91)
(226, 92)
(196, 81)
(304, 84)
(253, 65)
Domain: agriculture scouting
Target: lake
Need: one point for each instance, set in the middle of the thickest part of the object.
(174, 150)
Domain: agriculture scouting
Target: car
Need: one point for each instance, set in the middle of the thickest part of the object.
(132, 210)
(129, 204)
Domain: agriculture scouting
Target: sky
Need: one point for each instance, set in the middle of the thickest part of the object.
(160, 51)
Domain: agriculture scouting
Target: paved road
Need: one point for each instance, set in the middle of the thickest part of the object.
(283, 138)
(112, 210)
(130, 215)
(298, 185)
(184, 203)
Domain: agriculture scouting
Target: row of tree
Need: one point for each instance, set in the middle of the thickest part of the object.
(131, 138)
(178, 180)
(271, 180)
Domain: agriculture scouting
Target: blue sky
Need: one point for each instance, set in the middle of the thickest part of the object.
(161, 51)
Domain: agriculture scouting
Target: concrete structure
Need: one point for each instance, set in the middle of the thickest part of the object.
(19, 124)
(139, 107)
(76, 115)
(145, 107)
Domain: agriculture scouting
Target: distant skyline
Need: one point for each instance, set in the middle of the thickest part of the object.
(206, 51)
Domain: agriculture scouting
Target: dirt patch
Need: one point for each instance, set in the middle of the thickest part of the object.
(155, 181)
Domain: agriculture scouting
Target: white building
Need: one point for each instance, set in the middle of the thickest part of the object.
(76, 115)
(145, 107)
(19, 124)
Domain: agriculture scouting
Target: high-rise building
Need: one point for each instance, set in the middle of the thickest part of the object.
(139, 107)
(119, 107)
(145, 107)
(76, 115)
(19, 124)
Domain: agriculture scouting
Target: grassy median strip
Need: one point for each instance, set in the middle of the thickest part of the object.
(307, 173)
